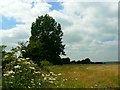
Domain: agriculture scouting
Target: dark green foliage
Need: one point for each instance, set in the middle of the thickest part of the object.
(2, 51)
(66, 60)
(45, 41)
(85, 61)
(73, 62)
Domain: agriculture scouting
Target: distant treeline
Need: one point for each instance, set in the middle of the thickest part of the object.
(84, 61)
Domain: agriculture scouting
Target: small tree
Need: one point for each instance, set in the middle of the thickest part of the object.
(45, 41)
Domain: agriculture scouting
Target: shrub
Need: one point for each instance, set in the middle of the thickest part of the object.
(23, 73)
(45, 63)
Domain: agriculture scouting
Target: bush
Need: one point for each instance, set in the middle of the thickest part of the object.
(23, 73)
(45, 63)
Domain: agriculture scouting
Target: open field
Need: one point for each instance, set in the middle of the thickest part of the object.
(86, 76)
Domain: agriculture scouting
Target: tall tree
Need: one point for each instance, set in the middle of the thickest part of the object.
(46, 40)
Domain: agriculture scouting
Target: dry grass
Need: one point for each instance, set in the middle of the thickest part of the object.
(87, 76)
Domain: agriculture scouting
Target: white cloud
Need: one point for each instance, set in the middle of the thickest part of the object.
(22, 9)
(96, 23)
(90, 29)
(86, 0)
(13, 36)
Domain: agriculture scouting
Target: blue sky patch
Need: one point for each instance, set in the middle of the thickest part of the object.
(56, 5)
(108, 39)
(33, 4)
(8, 23)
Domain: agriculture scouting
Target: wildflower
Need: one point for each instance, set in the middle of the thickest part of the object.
(28, 86)
(5, 56)
(37, 72)
(51, 73)
(91, 87)
(32, 82)
(76, 79)
(17, 66)
(12, 51)
(59, 74)
(20, 70)
(5, 74)
(45, 78)
(11, 82)
(27, 58)
(50, 81)
(63, 79)
(62, 85)
(96, 85)
(23, 59)
(47, 75)
(26, 62)
(23, 51)
(12, 76)
(54, 74)
(32, 68)
(10, 72)
(19, 60)
(39, 83)
(74, 72)
(32, 79)
(43, 75)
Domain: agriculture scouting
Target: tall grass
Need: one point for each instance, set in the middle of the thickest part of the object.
(87, 76)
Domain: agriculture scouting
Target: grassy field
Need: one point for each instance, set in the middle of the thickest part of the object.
(86, 76)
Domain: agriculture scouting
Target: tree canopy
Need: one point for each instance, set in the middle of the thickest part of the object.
(45, 42)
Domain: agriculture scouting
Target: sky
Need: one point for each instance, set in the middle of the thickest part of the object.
(90, 27)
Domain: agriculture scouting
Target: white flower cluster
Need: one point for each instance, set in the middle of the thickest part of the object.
(32, 68)
(27, 58)
(21, 65)
(6, 56)
(51, 77)
(23, 51)
(8, 73)
(26, 62)
(37, 72)
(18, 66)
(12, 51)
(59, 74)
(19, 60)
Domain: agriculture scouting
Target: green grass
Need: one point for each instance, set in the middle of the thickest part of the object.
(86, 76)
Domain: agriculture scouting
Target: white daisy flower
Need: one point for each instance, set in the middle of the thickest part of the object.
(45, 78)
(59, 74)
(26, 62)
(50, 81)
(32, 68)
(17, 66)
(27, 58)
(43, 75)
(23, 51)
(10, 72)
(5, 74)
(19, 60)
(39, 83)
